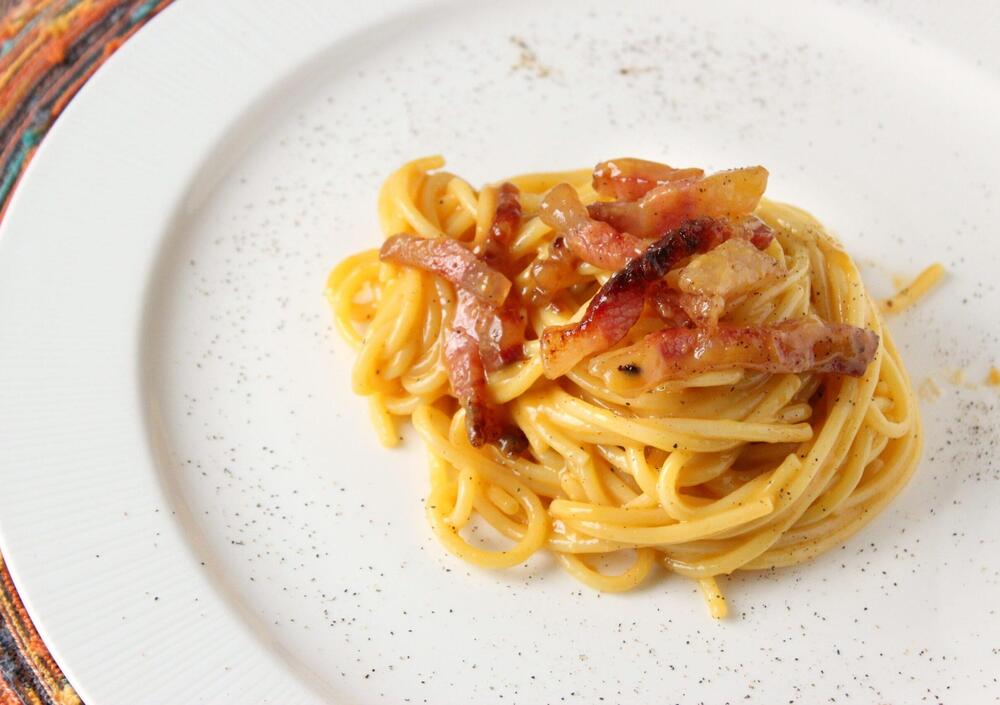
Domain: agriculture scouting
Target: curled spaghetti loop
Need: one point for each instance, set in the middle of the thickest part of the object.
(703, 476)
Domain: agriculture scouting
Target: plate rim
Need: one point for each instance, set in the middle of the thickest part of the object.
(245, 36)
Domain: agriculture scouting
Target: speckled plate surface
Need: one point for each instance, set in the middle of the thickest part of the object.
(193, 505)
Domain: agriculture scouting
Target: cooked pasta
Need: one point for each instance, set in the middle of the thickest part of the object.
(921, 285)
(746, 450)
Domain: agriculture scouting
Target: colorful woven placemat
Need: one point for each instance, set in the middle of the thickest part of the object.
(48, 50)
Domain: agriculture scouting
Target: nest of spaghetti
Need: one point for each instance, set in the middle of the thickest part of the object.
(636, 360)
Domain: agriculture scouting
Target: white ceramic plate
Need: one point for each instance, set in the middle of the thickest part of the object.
(192, 502)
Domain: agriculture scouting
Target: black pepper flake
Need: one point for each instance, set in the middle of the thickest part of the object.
(630, 368)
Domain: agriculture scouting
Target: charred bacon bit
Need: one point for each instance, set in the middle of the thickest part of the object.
(618, 305)
(668, 304)
(759, 233)
(499, 332)
(727, 194)
(496, 247)
(795, 346)
(628, 179)
(591, 240)
(449, 259)
(549, 275)
(602, 326)
(711, 280)
(484, 420)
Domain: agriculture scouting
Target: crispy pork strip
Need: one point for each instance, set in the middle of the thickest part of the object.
(484, 421)
(793, 346)
(726, 194)
(449, 259)
(628, 179)
(619, 303)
